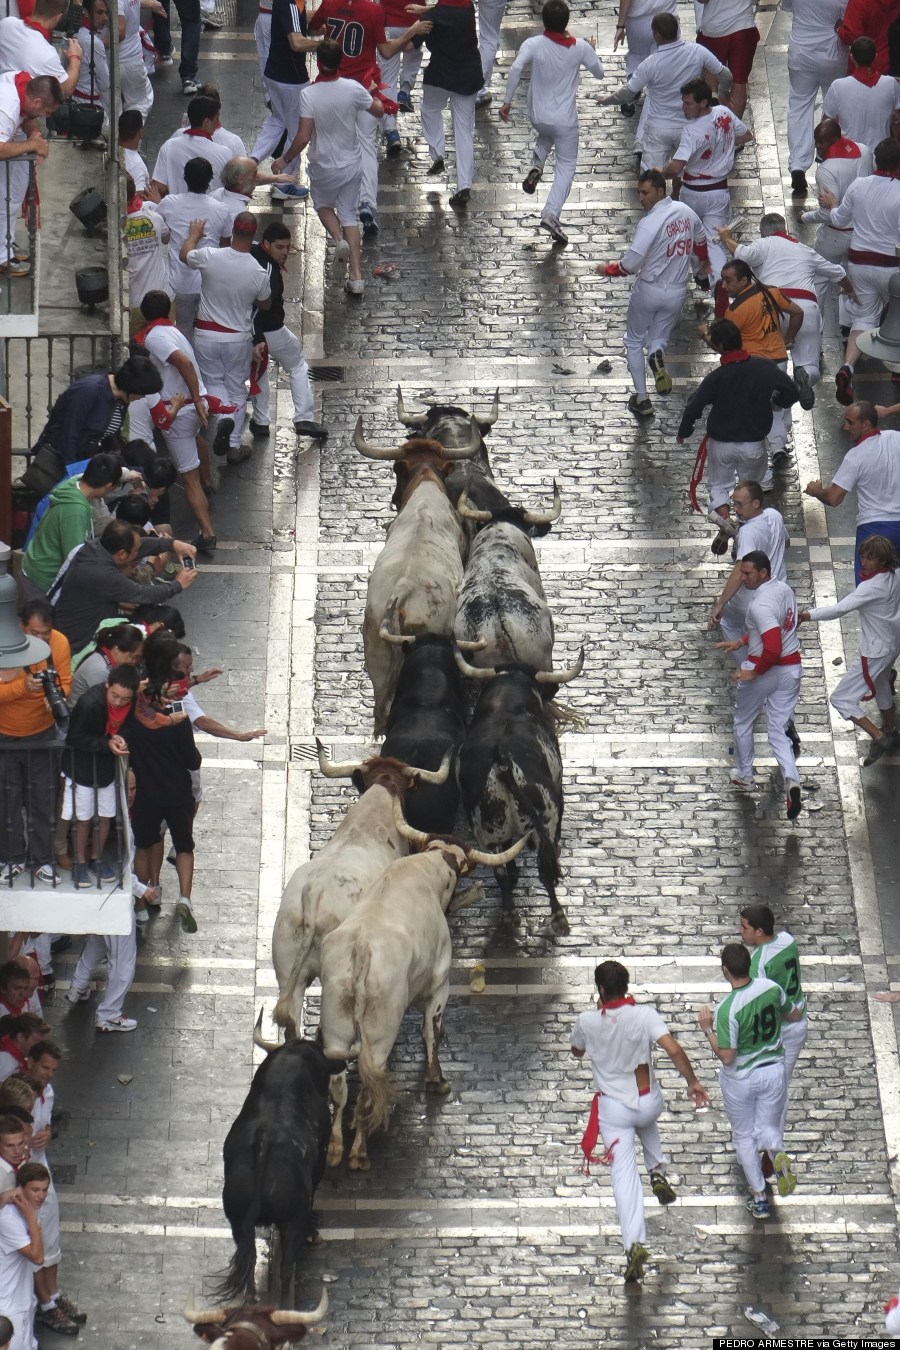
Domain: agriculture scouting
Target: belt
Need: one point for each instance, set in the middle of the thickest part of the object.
(210, 327)
(642, 1092)
(85, 98)
(799, 295)
(793, 659)
(865, 258)
(262, 10)
(699, 185)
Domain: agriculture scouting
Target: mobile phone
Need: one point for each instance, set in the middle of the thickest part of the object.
(176, 707)
(188, 564)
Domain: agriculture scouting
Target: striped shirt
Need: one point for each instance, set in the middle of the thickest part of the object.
(749, 1021)
(779, 960)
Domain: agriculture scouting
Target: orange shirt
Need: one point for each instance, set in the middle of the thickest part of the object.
(25, 714)
(760, 330)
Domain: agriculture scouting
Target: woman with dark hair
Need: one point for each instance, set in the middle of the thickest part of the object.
(154, 617)
(118, 645)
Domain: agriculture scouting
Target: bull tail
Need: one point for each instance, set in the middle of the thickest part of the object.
(238, 1285)
(378, 1092)
(547, 857)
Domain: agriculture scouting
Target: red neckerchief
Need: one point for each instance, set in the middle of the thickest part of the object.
(843, 148)
(453, 4)
(867, 77)
(8, 1044)
(627, 1001)
(21, 81)
(15, 1009)
(782, 234)
(115, 717)
(135, 203)
(879, 571)
(865, 436)
(195, 131)
(38, 28)
(141, 335)
(884, 173)
(561, 39)
(727, 358)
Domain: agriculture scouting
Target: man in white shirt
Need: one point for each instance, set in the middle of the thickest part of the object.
(760, 528)
(92, 85)
(662, 75)
(634, 24)
(137, 91)
(29, 45)
(730, 34)
(131, 130)
(769, 677)
(871, 207)
(618, 1039)
(863, 101)
(840, 162)
(188, 143)
(816, 57)
(146, 245)
(328, 114)
(555, 59)
(221, 135)
(703, 160)
(19, 135)
(877, 601)
(21, 1253)
(231, 283)
(660, 255)
(872, 467)
(178, 210)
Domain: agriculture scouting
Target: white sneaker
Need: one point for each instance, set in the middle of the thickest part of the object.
(340, 259)
(355, 286)
(118, 1024)
(738, 781)
(185, 914)
(74, 995)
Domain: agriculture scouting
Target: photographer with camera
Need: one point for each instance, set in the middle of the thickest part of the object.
(32, 705)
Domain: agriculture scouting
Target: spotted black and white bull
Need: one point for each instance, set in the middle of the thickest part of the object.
(502, 599)
(322, 892)
(510, 771)
(391, 953)
(274, 1157)
(419, 571)
(252, 1327)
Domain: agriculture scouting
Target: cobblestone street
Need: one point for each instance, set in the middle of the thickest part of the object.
(474, 1226)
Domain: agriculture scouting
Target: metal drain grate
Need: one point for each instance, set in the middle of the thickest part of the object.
(327, 374)
(305, 752)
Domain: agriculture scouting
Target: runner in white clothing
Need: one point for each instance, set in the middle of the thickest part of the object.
(871, 207)
(634, 26)
(555, 59)
(703, 160)
(760, 528)
(769, 678)
(841, 161)
(877, 601)
(664, 243)
(618, 1039)
(663, 74)
(92, 85)
(29, 46)
(728, 29)
(864, 101)
(189, 143)
(137, 91)
(816, 57)
(178, 209)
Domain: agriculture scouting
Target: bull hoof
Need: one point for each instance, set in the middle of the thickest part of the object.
(511, 918)
(360, 1163)
(335, 1155)
(559, 924)
(439, 1089)
(315, 1239)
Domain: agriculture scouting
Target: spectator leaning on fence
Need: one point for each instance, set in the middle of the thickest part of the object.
(22, 102)
(28, 768)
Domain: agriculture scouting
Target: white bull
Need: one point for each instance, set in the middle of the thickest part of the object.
(391, 953)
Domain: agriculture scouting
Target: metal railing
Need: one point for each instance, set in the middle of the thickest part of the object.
(37, 370)
(19, 296)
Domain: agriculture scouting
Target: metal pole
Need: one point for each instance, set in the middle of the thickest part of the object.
(115, 214)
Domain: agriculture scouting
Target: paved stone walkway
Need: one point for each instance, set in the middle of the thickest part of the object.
(474, 1226)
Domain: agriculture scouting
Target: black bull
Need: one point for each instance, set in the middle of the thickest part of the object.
(274, 1158)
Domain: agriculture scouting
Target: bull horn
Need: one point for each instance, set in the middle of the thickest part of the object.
(471, 672)
(388, 623)
(471, 645)
(465, 451)
(371, 451)
(214, 1315)
(544, 517)
(433, 775)
(469, 512)
(561, 676)
(332, 769)
(408, 419)
(495, 410)
(281, 1317)
(498, 859)
(258, 1039)
(403, 827)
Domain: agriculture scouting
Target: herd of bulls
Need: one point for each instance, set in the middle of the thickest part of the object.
(454, 597)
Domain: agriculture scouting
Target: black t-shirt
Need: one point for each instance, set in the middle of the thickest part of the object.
(268, 320)
(283, 65)
(455, 62)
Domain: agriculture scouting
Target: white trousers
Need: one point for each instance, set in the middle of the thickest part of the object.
(286, 350)
(806, 77)
(794, 1035)
(619, 1124)
(398, 72)
(23, 1337)
(653, 312)
(48, 1220)
(462, 113)
(855, 687)
(566, 141)
(659, 138)
(283, 119)
(262, 32)
(776, 691)
(871, 287)
(728, 462)
(225, 366)
(714, 209)
(367, 136)
(807, 348)
(639, 39)
(13, 186)
(137, 91)
(834, 245)
(781, 423)
(490, 17)
(122, 953)
(753, 1103)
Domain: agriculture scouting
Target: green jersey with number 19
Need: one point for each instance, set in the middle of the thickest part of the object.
(779, 960)
(749, 1021)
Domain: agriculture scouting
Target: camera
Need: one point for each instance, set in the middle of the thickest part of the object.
(53, 693)
(188, 564)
